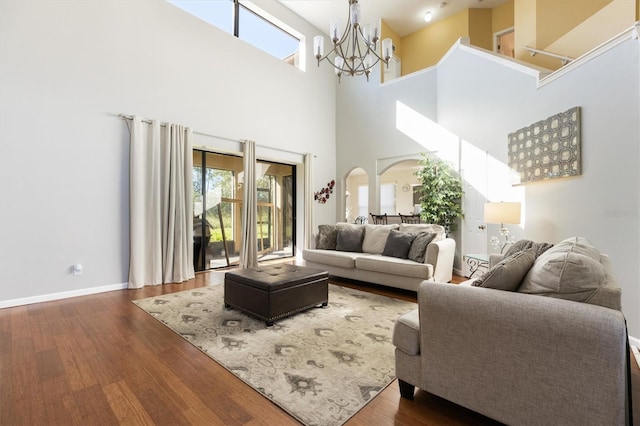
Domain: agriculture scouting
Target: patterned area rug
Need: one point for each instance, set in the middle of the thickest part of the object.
(321, 365)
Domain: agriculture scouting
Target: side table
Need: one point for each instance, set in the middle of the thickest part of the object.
(477, 263)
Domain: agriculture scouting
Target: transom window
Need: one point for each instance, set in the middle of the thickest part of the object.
(245, 21)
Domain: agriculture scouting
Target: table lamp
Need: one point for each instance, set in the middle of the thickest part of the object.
(502, 213)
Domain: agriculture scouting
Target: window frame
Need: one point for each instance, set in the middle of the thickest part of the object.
(389, 188)
(363, 200)
(277, 24)
(280, 221)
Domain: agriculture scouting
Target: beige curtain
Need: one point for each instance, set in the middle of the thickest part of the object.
(249, 249)
(308, 201)
(160, 203)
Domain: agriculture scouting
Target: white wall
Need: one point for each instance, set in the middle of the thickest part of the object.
(481, 100)
(367, 128)
(67, 67)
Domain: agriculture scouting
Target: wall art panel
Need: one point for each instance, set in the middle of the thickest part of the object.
(548, 149)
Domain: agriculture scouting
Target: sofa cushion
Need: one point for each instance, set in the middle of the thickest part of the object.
(509, 272)
(398, 244)
(406, 333)
(375, 238)
(394, 266)
(416, 228)
(419, 245)
(570, 270)
(327, 237)
(349, 237)
(331, 258)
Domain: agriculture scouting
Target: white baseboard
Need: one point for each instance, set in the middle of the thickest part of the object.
(61, 295)
(634, 341)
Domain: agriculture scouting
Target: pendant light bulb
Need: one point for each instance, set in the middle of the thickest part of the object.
(428, 17)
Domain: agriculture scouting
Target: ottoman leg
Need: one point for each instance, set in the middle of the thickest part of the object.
(269, 323)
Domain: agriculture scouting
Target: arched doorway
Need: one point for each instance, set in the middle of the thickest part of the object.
(400, 189)
(356, 195)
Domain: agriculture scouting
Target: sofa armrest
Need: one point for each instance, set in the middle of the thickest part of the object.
(517, 357)
(440, 255)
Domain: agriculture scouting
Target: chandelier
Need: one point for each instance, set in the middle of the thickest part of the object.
(355, 51)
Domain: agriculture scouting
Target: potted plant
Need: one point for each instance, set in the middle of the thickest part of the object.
(441, 188)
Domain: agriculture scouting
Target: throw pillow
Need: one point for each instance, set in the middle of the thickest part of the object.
(509, 272)
(349, 237)
(424, 227)
(520, 245)
(579, 245)
(375, 237)
(571, 270)
(398, 244)
(327, 235)
(418, 249)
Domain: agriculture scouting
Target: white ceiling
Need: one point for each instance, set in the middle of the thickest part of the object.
(403, 16)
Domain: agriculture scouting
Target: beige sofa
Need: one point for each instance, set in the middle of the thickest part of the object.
(517, 357)
(369, 264)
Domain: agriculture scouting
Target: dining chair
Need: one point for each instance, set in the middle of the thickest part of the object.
(409, 218)
(379, 219)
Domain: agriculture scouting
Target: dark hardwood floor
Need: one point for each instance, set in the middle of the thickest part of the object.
(99, 360)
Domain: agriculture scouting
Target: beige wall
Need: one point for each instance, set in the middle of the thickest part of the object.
(387, 32)
(555, 18)
(502, 17)
(425, 47)
(525, 26)
(481, 28)
(606, 23)
(538, 24)
(569, 27)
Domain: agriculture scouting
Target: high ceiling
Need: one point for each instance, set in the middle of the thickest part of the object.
(403, 16)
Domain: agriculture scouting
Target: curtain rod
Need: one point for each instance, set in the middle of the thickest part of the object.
(146, 120)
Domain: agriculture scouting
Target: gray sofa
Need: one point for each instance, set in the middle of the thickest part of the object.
(365, 260)
(515, 356)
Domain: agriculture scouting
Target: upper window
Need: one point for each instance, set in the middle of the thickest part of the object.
(259, 32)
(217, 13)
(253, 26)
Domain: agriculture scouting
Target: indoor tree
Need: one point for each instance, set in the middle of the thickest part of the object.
(441, 188)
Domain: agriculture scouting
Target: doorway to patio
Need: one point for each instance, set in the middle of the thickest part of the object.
(217, 204)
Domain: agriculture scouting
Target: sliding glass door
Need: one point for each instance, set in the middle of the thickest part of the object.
(217, 206)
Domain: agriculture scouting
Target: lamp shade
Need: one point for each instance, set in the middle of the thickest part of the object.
(502, 213)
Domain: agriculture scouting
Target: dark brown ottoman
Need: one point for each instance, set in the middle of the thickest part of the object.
(274, 292)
